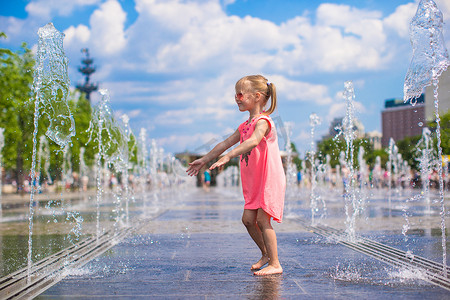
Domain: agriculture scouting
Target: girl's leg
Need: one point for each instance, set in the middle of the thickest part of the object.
(270, 242)
(249, 220)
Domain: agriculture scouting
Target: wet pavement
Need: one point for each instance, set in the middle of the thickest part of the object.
(200, 250)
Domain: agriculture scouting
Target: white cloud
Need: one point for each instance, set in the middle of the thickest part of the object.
(76, 35)
(301, 91)
(13, 27)
(342, 39)
(130, 113)
(174, 37)
(339, 109)
(46, 9)
(444, 6)
(197, 38)
(347, 38)
(107, 24)
(228, 2)
(105, 35)
(344, 15)
(180, 37)
(200, 142)
(399, 20)
(38, 10)
(190, 115)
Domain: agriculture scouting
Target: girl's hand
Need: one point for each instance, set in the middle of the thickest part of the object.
(220, 163)
(195, 167)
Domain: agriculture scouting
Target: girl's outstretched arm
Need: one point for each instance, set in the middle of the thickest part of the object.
(198, 164)
(261, 129)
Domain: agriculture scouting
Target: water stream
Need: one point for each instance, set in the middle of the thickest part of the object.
(51, 89)
(353, 202)
(2, 144)
(430, 59)
(314, 121)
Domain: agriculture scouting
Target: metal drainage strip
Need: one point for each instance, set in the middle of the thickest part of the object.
(47, 272)
(431, 271)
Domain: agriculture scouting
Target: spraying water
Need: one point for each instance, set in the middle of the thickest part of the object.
(112, 145)
(67, 167)
(291, 170)
(96, 127)
(143, 166)
(51, 88)
(352, 202)
(430, 59)
(44, 155)
(427, 160)
(154, 170)
(314, 121)
(392, 169)
(125, 165)
(2, 144)
(83, 170)
(377, 173)
(363, 170)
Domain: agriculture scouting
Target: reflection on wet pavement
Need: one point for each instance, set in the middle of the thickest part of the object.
(200, 249)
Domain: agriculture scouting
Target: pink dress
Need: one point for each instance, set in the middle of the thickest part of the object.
(262, 173)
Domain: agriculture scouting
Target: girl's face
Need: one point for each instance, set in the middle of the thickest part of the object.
(245, 98)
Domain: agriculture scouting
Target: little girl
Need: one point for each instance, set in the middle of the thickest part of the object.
(262, 174)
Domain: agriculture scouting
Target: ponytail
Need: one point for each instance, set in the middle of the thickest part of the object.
(272, 93)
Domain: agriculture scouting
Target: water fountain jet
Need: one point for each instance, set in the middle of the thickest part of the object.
(50, 87)
(314, 121)
(430, 59)
(2, 144)
(353, 203)
(291, 170)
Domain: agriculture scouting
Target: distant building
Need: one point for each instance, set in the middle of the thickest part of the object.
(443, 96)
(400, 120)
(336, 127)
(374, 138)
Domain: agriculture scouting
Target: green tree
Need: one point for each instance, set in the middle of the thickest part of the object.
(445, 132)
(81, 110)
(296, 159)
(16, 109)
(334, 146)
(407, 148)
(17, 117)
(371, 157)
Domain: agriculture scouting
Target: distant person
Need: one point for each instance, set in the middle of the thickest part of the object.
(262, 174)
(207, 180)
(84, 182)
(345, 178)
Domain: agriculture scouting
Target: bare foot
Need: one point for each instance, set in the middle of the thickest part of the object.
(269, 270)
(264, 260)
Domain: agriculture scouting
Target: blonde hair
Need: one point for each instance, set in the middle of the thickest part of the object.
(260, 84)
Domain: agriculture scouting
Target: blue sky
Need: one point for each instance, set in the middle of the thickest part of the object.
(171, 65)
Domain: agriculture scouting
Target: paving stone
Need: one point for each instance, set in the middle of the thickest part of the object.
(206, 253)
